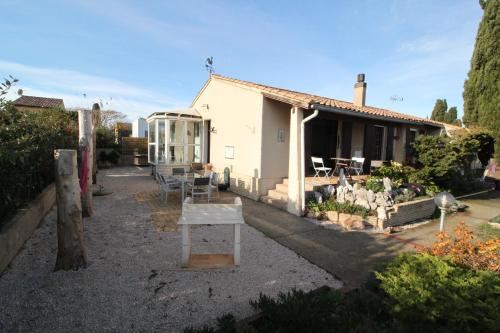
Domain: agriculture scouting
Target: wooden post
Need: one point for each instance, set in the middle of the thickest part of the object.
(96, 114)
(71, 252)
(85, 143)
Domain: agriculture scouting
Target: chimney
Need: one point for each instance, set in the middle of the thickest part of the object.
(360, 91)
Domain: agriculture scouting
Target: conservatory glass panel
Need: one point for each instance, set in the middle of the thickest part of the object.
(193, 132)
(176, 131)
(161, 141)
(194, 153)
(152, 131)
(152, 156)
(176, 154)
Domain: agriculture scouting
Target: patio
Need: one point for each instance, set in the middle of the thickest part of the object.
(134, 281)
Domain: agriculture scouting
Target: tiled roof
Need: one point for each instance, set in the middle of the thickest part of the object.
(305, 100)
(39, 102)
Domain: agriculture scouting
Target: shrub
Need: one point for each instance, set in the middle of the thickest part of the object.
(105, 138)
(445, 163)
(465, 251)
(27, 143)
(395, 172)
(429, 292)
(375, 184)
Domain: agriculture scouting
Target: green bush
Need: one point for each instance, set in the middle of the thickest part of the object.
(375, 184)
(396, 172)
(105, 138)
(429, 292)
(27, 143)
(445, 163)
(334, 206)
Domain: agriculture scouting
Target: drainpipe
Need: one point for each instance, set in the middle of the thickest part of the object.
(302, 161)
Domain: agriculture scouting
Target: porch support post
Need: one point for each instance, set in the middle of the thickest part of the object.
(294, 168)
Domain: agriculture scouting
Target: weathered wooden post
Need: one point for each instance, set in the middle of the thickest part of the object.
(71, 252)
(96, 115)
(87, 154)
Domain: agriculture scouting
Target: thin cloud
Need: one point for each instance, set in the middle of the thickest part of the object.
(72, 85)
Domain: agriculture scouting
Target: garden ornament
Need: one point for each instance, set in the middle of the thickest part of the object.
(443, 200)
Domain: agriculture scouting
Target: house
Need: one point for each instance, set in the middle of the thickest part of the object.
(266, 135)
(139, 128)
(35, 103)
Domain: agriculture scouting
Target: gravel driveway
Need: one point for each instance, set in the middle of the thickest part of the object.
(134, 282)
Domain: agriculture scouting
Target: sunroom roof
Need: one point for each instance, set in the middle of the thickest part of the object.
(190, 113)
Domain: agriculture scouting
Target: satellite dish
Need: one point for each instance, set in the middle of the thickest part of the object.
(20, 92)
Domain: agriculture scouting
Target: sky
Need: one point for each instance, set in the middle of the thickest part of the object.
(139, 57)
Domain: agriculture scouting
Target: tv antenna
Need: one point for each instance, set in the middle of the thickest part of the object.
(209, 65)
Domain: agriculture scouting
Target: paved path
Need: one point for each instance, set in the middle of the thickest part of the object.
(351, 256)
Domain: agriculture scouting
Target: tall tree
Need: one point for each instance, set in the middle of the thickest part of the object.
(439, 111)
(481, 89)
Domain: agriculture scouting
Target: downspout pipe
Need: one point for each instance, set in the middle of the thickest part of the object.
(302, 161)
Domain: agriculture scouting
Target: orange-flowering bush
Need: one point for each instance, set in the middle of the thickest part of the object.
(466, 251)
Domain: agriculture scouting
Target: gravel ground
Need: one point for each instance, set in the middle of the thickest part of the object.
(134, 282)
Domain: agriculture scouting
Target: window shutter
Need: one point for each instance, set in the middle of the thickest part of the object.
(390, 143)
(345, 152)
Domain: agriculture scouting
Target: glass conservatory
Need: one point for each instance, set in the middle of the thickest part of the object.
(175, 137)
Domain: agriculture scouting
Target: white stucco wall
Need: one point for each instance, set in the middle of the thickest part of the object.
(275, 142)
(236, 115)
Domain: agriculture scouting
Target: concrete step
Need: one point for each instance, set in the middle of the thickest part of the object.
(283, 188)
(285, 181)
(280, 204)
(275, 194)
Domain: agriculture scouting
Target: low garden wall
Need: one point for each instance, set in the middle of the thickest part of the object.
(410, 211)
(15, 232)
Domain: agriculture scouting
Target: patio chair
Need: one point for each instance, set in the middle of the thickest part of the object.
(199, 188)
(375, 164)
(178, 171)
(319, 167)
(167, 185)
(214, 184)
(357, 165)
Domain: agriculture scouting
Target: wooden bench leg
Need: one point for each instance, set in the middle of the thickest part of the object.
(186, 245)
(237, 244)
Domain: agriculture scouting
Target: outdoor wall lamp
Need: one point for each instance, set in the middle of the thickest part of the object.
(443, 200)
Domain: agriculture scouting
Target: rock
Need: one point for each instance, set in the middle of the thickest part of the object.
(357, 187)
(349, 197)
(381, 213)
(330, 190)
(387, 184)
(361, 194)
(373, 205)
(363, 203)
(342, 179)
(318, 197)
(370, 196)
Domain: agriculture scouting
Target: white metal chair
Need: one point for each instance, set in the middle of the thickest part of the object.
(357, 165)
(214, 184)
(200, 187)
(167, 185)
(319, 167)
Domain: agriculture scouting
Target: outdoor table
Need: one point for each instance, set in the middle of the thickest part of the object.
(344, 162)
(184, 179)
(213, 214)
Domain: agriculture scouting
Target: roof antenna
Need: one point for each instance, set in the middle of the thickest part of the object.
(209, 65)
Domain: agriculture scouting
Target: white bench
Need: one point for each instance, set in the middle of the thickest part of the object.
(220, 214)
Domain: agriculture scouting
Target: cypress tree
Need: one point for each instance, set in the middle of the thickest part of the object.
(481, 89)
(439, 111)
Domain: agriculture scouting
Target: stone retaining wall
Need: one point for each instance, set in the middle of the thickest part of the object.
(410, 211)
(14, 233)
